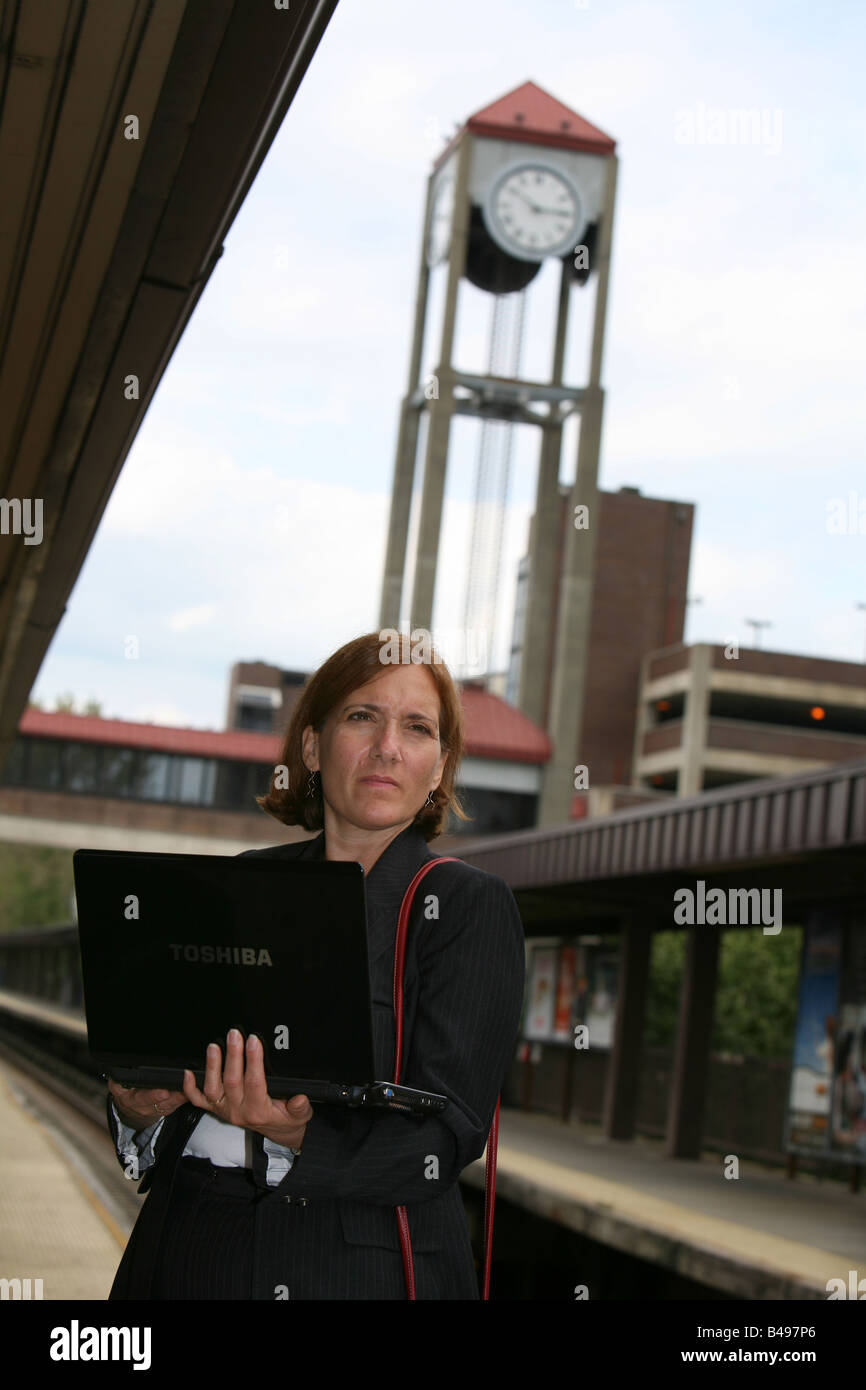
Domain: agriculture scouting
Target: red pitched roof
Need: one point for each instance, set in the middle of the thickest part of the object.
(531, 115)
(159, 738)
(493, 730)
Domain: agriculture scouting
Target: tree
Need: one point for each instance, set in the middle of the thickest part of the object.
(35, 886)
(756, 993)
(65, 704)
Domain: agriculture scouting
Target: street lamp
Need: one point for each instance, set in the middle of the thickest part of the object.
(757, 624)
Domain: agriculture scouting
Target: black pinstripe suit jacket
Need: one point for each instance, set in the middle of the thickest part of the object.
(463, 993)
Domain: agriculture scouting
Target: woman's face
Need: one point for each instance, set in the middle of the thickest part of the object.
(386, 729)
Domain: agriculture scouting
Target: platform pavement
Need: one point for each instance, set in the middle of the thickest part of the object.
(52, 1226)
(759, 1236)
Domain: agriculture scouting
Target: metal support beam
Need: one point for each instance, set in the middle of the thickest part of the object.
(692, 1048)
(623, 1074)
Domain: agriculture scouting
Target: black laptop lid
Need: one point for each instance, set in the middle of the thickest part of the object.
(176, 949)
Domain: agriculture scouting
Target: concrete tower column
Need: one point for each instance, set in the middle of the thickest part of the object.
(694, 726)
(538, 625)
(573, 619)
(441, 409)
(407, 449)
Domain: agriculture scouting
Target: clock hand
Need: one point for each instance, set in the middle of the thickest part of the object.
(536, 208)
(533, 206)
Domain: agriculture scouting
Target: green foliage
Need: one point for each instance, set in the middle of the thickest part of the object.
(756, 993)
(65, 704)
(35, 886)
(666, 973)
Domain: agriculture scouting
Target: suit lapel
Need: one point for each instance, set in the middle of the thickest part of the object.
(386, 884)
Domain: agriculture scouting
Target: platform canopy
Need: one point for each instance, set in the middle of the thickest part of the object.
(804, 835)
(109, 230)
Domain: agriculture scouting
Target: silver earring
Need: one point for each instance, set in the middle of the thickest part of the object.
(429, 801)
(311, 784)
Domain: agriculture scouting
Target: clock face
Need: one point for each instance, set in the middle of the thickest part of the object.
(441, 218)
(533, 211)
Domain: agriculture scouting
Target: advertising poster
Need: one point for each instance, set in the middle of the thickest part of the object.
(603, 967)
(848, 1128)
(568, 985)
(810, 1100)
(565, 994)
(542, 986)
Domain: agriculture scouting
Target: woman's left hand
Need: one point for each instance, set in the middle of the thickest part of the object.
(240, 1096)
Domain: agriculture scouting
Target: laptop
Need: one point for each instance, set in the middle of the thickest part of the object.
(176, 949)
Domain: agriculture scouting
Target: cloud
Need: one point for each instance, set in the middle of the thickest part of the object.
(250, 517)
(162, 712)
(201, 615)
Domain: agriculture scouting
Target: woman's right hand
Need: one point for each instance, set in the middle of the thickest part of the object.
(144, 1107)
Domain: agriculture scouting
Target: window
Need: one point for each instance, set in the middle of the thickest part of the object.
(494, 812)
(45, 763)
(153, 777)
(82, 767)
(117, 776)
(255, 718)
(14, 772)
(187, 783)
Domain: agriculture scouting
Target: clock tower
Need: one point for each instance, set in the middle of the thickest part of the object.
(523, 181)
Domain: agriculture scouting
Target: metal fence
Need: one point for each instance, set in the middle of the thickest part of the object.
(745, 1102)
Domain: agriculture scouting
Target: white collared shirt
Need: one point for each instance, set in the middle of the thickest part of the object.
(225, 1145)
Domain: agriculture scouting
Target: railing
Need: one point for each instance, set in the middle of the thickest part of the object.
(744, 1106)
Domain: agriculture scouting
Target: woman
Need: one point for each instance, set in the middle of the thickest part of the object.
(250, 1197)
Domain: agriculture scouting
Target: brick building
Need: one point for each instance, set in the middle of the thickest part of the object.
(638, 604)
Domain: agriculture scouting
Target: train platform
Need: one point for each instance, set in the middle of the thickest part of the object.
(757, 1236)
(53, 1226)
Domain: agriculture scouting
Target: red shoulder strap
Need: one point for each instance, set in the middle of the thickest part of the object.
(492, 1138)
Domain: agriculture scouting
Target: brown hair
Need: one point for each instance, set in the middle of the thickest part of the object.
(353, 665)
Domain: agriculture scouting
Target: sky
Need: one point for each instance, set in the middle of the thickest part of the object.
(249, 520)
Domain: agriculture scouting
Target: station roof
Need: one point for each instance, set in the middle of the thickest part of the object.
(804, 835)
(493, 729)
(108, 242)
